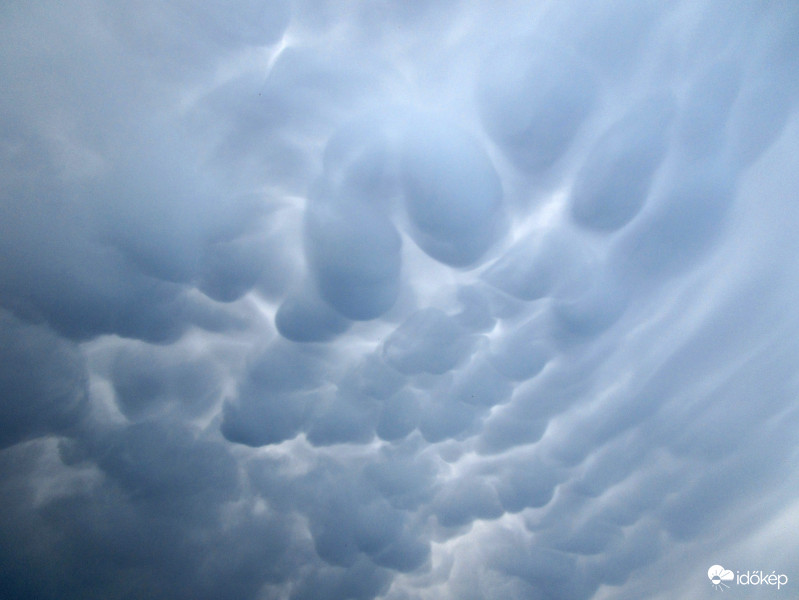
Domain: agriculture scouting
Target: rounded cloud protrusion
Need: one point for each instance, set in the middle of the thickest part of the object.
(537, 265)
(533, 98)
(453, 194)
(614, 181)
(304, 317)
(354, 254)
(276, 396)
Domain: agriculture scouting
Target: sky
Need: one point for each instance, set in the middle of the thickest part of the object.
(355, 300)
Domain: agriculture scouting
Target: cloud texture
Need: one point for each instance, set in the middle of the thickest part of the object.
(390, 300)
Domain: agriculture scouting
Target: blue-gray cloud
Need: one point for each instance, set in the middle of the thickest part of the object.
(396, 300)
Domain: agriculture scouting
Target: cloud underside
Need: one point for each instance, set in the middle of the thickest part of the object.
(396, 300)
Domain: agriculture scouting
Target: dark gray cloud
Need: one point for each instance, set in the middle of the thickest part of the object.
(149, 380)
(354, 255)
(43, 382)
(396, 300)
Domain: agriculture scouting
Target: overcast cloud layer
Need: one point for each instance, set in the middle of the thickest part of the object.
(402, 300)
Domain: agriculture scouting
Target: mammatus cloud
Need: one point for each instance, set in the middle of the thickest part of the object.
(397, 301)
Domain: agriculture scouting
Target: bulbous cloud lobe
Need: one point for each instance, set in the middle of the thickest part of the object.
(452, 192)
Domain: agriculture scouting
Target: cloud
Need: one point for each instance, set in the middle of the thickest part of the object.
(354, 254)
(150, 379)
(305, 317)
(614, 181)
(452, 192)
(534, 95)
(396, 301)
(429, 341)
(43, 381)
(275, 396)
